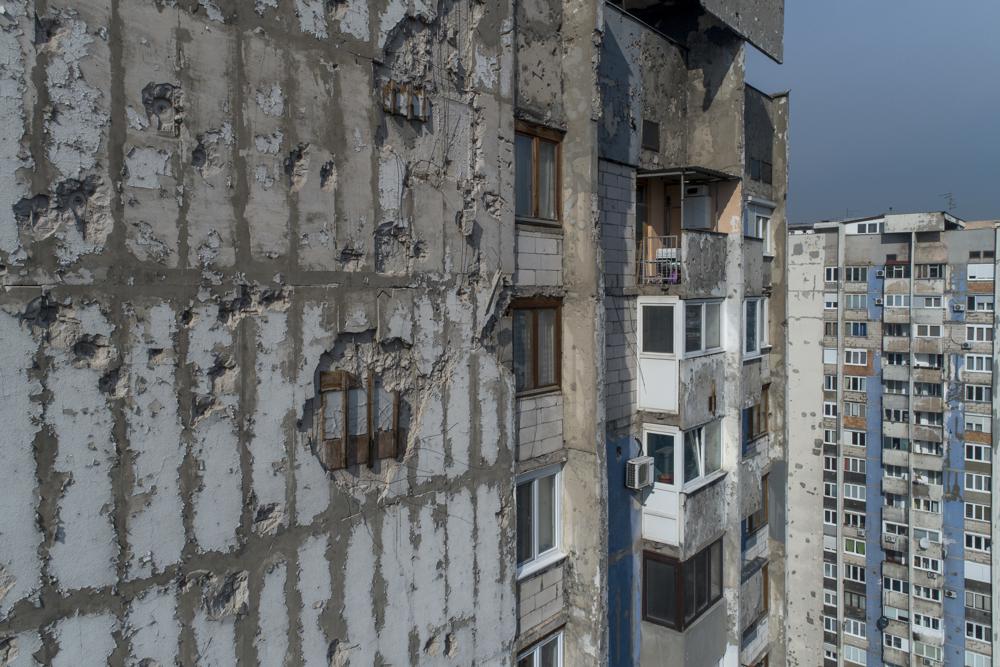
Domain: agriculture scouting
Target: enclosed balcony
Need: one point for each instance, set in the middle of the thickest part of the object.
(681, 233)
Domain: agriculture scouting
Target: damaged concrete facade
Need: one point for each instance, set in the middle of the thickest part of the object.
(693, 177)
(319, 325)
(892, 397)
(213, 213)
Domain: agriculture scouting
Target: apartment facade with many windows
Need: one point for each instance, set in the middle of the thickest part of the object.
(890, 404)
(691, 199)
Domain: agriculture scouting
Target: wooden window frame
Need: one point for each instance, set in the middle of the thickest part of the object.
(536, 304)
(343, 450)
(541, 133)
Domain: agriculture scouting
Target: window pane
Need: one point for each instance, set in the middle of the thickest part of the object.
(751, 326)
(716, 565)
(546, 513)
(691, 463)
(522, 175)
(713, 332)
(522, 350)
(546, 347)
(525, 529)
(661, 447)
(687, 572)
(549, 654)
(701, 580)
(546, 180)
(527, 661)
(658, 329)
(692, 328)
(661, 596)
(712, 435)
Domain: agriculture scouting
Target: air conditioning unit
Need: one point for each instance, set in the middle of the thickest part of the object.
(697, 213)
(950, 594)
(927, 661)
(878, 301)
(932, 575)
(639, 472)
(889, 539)
(880, 274)
(957, 307)
(966, 346)
(861, 533)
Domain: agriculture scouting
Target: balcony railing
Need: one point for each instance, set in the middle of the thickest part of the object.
(659, 260)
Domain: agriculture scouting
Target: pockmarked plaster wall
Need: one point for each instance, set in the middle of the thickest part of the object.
(203, 207)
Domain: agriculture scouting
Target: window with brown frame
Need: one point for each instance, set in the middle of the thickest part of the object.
(360, 422)
(536, 174)
(758, 519)
(675, 594)
(755, 419)
(537, 344)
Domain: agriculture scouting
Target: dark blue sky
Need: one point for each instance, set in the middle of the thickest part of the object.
(893, 103)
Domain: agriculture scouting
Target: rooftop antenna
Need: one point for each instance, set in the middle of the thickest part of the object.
(949, 197)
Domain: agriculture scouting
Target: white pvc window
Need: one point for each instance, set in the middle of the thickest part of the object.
(830, 301)
(856, 301)
(830, 355)
(831, 274)
(978, 333)
(977, 482)
(978, 363)
(856, 357)
(546, 653)
(978, 423)
(897, 300)
(702, 326)
(755, 325)
(538, 519)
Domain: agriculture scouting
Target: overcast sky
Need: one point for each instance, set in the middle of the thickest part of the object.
(893, 103)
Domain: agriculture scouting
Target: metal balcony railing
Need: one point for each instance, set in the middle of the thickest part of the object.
(659, 261)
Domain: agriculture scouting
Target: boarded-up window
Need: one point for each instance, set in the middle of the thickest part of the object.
(360, 422)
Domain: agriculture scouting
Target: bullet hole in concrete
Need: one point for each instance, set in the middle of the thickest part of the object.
(237, 304)
(201, 405)
(73, 195)
(268, 518)
(86, 347)
(199, 156)
(328, 176)
(296, 166)
(163, 104)
(154, 353)
(228, 597)
(109, 382)
(351, 254)
(45, 29)
(187, 316)
(41, 312)
(30, 209)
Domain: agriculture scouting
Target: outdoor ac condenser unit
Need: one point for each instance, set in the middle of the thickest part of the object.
(697, 207)
(639, 472)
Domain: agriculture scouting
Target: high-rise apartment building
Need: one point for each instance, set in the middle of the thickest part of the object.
(692, 199)
(330, 330)
(891, 423)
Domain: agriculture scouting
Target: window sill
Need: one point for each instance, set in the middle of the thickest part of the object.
(543, 562)
(551, 226)
(532, 393)
(694, 487)
(704, 353)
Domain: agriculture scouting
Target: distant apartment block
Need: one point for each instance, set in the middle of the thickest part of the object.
(891, 423)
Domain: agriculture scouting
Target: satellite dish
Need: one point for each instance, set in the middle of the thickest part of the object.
(882, 623)
(924, 543)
